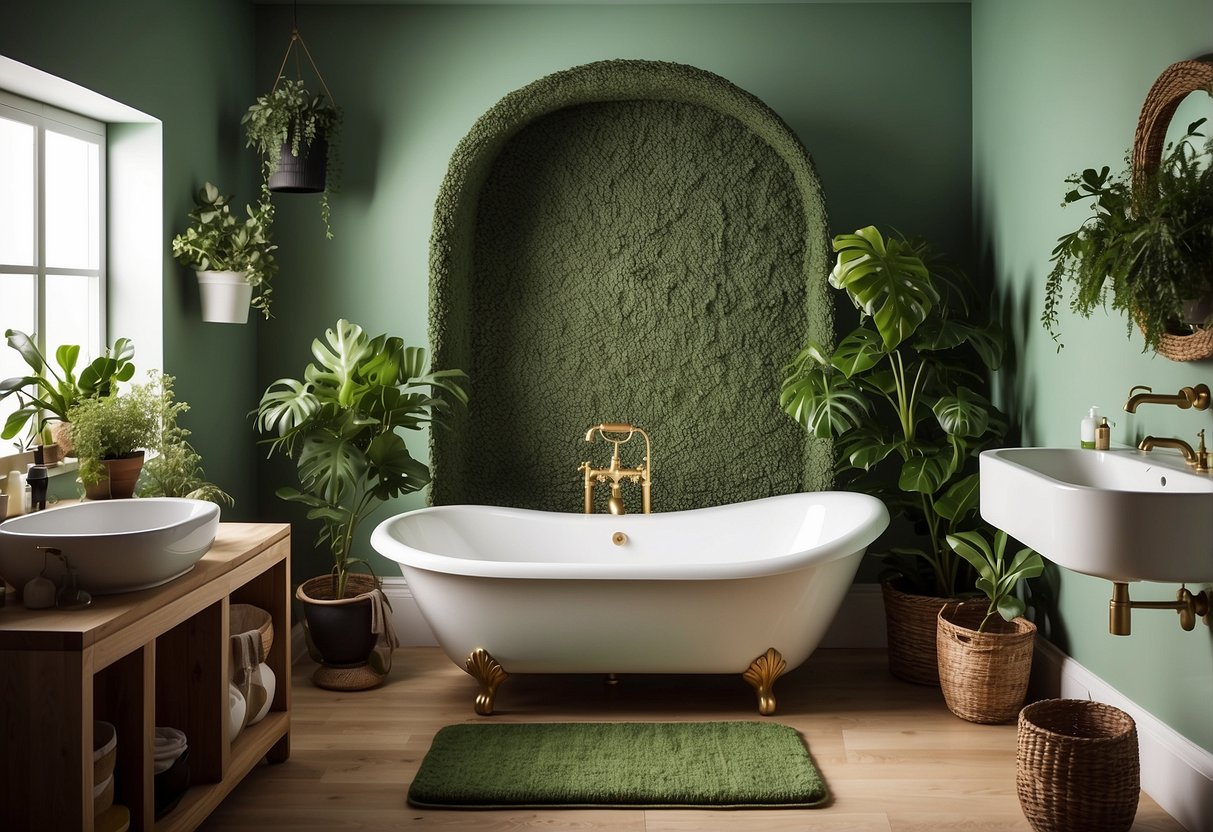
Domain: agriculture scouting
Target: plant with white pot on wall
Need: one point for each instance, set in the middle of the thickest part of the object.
(233, 258)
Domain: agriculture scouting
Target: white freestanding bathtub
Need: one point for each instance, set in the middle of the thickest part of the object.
(743, 588)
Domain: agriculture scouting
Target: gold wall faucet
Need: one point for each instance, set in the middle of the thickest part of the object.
(641, 475)
(1189, 397)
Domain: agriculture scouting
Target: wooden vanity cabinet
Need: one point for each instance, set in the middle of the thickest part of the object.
(140, 659)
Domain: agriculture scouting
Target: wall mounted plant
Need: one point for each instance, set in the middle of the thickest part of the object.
(1146, 246)
(233, 258)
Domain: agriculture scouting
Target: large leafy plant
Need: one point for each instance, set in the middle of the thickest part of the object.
(290, 117)
(218, 241)
(997, 578)
(341, 425)
(905, 394)
(47, 393)
(1146, 246)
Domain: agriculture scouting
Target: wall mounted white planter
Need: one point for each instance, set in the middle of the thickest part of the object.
(225, 297)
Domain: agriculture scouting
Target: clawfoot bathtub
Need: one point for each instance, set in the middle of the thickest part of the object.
(745, 588)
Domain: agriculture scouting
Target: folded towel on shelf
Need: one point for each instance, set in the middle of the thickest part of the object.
(168, 745)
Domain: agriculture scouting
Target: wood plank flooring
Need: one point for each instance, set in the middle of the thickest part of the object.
(893, 756)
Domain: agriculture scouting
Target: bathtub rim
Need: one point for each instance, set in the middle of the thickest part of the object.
(872, 520)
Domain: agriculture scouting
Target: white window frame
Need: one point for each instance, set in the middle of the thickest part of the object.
(43, 117)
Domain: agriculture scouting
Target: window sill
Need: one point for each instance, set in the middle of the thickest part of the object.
(22, 461)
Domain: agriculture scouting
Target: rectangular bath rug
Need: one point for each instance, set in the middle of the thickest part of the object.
(725, 765)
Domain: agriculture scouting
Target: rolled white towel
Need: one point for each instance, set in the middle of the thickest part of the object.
(169, 744)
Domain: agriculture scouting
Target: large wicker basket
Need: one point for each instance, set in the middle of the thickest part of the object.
(983, 675)
(1077, 767)
(1162, 100)
(910, 626)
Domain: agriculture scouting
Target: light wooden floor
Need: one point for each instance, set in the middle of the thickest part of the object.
(895, 759)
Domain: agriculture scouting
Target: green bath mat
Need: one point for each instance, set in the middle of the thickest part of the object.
(626, 765)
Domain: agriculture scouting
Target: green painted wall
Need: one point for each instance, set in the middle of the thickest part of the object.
(1056, 88)
(188, 63)
(879, 94)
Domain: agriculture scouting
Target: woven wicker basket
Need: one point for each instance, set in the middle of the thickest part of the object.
(910, 626)
(984, 676)
(245, 617)
(1164, 97)
(1077, 767)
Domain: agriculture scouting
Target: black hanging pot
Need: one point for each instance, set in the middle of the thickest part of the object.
(302, 174)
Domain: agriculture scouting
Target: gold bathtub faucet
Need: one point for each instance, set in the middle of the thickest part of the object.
(641, 475)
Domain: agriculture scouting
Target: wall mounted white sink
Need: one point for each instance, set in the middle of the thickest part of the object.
(1124, 515)
(114, 545)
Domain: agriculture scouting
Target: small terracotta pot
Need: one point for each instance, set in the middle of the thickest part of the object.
(120, 484)
(61, 432)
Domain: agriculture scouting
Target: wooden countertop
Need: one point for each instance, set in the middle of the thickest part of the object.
(158, 608)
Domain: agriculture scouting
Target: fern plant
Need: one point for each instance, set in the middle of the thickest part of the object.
(901, 397)
(176, 469)
(1146, 246)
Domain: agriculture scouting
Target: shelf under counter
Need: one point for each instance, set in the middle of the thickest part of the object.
(138, 659)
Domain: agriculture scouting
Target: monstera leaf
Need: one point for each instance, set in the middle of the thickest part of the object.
(964, 413)
(859, 352)
(824, 402)
(338, 360)
(887, 280)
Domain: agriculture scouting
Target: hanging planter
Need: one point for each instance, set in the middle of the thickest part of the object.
(225, 297)
(297, 135)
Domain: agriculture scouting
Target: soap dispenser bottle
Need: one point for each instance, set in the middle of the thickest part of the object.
(1086, 429)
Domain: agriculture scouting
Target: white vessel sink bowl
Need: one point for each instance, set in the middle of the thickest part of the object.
(114, 545)
(1124, 515)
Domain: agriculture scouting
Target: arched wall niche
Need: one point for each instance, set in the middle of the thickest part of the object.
(627, 241)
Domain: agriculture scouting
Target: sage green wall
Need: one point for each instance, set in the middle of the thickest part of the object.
(1057, 87)
(879, 94)
(188, 63)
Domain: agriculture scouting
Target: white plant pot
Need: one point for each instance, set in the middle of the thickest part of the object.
(225, 297)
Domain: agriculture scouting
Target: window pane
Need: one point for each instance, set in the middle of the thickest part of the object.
(17, 301)
(16, 193)
(72, 315)
(73, 180)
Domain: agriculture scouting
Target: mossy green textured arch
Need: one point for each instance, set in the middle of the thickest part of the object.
(631, 241)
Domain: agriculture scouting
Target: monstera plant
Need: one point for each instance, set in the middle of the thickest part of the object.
(342, 424)
(905, 397)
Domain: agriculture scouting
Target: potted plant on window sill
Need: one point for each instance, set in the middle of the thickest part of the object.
(985, 656)
(905, 398)
(46, 396)
(297, 135)
(341, 423)
(233, 259)
(1145, 249)
(111, 434)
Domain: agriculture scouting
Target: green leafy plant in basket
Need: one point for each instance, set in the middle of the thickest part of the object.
(1146, 247)
(341, 423)
(905, 395)
(996, 577)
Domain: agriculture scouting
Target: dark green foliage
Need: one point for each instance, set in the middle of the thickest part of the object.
(902, 397)
(1146, 247)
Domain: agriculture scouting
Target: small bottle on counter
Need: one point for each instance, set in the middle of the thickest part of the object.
(1086, 429)
(15, 489)
(1103, 435)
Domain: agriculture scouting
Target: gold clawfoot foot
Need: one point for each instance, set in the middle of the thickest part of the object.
(761, 674)
(485, 670)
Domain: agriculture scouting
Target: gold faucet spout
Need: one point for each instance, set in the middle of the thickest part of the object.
(1152, 442)
(1188, 397)
(615, 474)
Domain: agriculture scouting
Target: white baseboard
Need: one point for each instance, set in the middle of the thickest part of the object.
(1175, 771)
